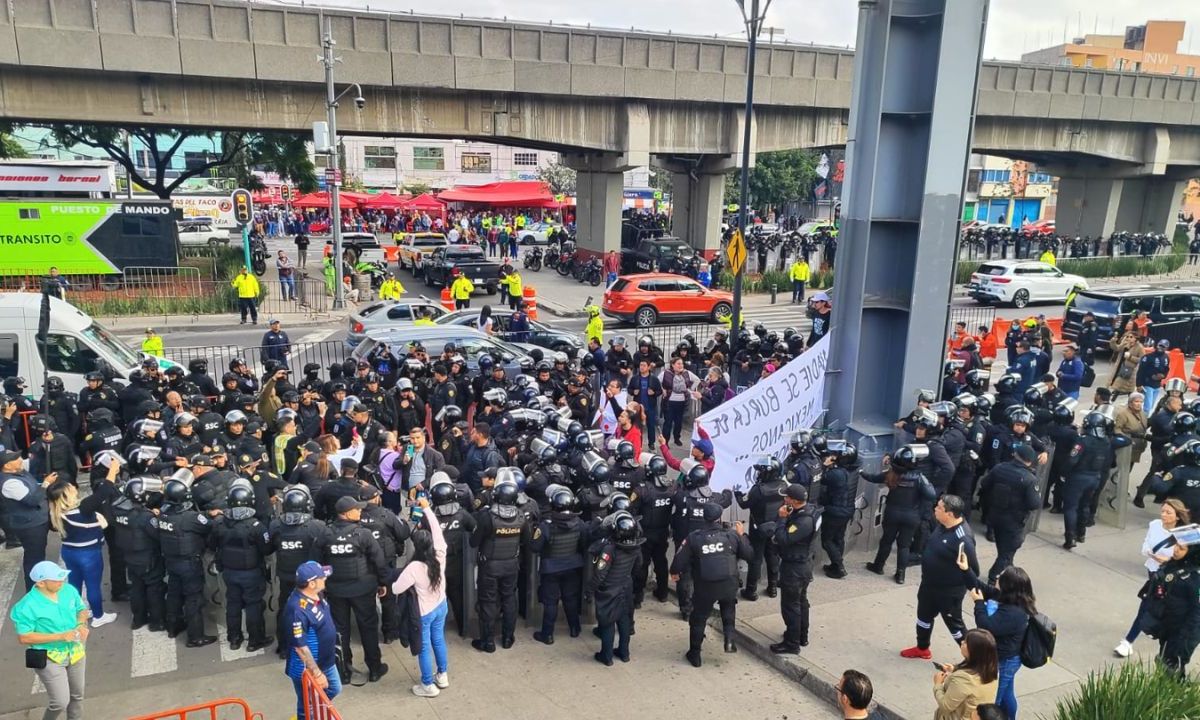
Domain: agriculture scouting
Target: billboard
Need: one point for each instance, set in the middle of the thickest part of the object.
(218, 208)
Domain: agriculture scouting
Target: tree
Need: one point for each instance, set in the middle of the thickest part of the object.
(662, 180)
(559, 177)
(9, 147)
(776, 178)
(282, 153)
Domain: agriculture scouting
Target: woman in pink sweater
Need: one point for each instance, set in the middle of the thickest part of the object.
(427, 573)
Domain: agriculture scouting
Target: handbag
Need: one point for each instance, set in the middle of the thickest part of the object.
(35, 658)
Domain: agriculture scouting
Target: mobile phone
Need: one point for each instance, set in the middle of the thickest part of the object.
(937, 665)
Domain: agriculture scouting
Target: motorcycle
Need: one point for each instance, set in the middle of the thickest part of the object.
(258, 255)
(592, 272)
(566, 263)
(551, 259)
(377, 270)
(533, 259)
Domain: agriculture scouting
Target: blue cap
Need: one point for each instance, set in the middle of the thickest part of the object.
(47, 570)
(311, 570)
(705, 446)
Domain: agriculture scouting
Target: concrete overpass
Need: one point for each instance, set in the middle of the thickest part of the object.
(607, 99)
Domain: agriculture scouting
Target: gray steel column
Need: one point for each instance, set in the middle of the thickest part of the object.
(916, 76)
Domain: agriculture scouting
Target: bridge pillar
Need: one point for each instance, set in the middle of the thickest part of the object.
(598, 215)
(696, 203)
(1101, 206)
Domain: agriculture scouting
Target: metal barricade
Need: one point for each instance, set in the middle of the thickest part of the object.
(974, 317)
(317, 705)
(1042, 475)
(224, 709)
(323, 353)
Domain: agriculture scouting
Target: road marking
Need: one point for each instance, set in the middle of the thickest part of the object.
(10, 570)
(315, 337)
(152, 653)
(228, 654)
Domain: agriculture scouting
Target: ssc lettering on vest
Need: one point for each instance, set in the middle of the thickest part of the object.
(122, 520)
(291, 545)
(697, 512)
(710, 548)
(341, 549)
(166, 526)
(662, 502)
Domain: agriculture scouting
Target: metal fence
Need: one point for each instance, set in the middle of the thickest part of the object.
(974, 317)
(323, 353)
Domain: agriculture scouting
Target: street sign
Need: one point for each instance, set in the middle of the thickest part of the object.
(333, 176)
(243, 206)
(658, 195)
(735, 252)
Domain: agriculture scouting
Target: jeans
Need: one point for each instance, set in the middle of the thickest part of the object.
(64, 689)
(334, 689)
(87, 568)
(288, 284)
(433, 642)
(1151, 394)
(1006, 692)
(248, 306)
(673, 420)
(797, 291)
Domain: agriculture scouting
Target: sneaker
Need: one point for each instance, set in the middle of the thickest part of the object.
(442, 680)
(104, 619)
(916, 653)
(426, 691)
(1123, 649)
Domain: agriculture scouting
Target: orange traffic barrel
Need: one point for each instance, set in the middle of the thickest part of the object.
(1175, 356)
(447, 301)
(531, 302)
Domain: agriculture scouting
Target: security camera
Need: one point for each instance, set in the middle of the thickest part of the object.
(360, 102)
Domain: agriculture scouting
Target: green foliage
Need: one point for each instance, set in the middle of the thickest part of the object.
(776, 178)
(1131, 690)
(559, 177)
(662, 180)
(9, 147)
(221, 300)
(755, 283)
(219, 263)
(416, 188)
(283, 153)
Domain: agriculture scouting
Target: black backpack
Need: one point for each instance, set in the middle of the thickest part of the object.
(1089, 376)
(1037, 647)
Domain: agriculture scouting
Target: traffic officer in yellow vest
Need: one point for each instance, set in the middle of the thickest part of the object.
(247, 289)
(153, 344)
(595, 325)
(799, 274)
(512, 282)
(391, 289)
(461, 290)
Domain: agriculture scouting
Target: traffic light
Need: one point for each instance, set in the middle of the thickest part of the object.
(243, 206)
(285, 192)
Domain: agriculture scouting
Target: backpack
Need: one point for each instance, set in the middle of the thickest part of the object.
(1037, 647)
(1089, 376)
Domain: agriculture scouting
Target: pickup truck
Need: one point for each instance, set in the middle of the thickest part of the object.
(359, 246)
(468, 259)
(415, 247)
(654, 255)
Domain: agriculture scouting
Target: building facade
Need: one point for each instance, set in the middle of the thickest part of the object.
(1008, 192)
(1149, 48)
(394, 163)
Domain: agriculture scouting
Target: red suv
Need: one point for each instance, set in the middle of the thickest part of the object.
(643, 299)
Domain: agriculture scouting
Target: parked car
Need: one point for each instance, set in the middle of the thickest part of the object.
(1174, 313)
(201, 233)
(535, 233)
(812, 227)
(1021, 282)
(644, 299)
(358, 246)
(471, 343)
(540, 334)
(388, 313)
(467, 259)
(414, 247)
(649, 255)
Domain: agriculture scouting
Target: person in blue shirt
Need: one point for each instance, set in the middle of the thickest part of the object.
(1026, 366)
(1070, 372)
(518, 326)
(1152, 370)
(313, 639)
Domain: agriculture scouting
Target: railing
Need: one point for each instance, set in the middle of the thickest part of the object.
(323, 353)
(224, 709)
(972, 316)
(317, 705)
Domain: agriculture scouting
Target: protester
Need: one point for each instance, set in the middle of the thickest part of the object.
(51, 621)
(1157, 548)
(958, 689)
(426, 573)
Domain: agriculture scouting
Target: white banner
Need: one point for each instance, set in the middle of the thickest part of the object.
(57, 176)
(761, 420)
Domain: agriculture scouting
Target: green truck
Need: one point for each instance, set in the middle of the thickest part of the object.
(86, 237)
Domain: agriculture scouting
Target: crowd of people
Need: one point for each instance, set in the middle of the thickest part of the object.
(276, 222)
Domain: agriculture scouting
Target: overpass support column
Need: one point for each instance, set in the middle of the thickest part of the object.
(696, 203)
(1102, 206)
(598, 215)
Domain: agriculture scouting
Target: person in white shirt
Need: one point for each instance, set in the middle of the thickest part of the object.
(1156, 549)
(615, 400)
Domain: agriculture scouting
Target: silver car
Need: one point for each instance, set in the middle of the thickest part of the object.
(471, 344)
(383, 314)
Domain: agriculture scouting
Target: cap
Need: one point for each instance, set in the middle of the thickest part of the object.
(201, 460)
(8, 456)
(369, 492)
(797, 492)
(311, 446)
(704, 444)
(359, 408)
(349, 464)
(712, 512)
(346, 503)
(47, 570)
(821, 297)
(1026, 454)
(1164, 343)
(273, 321)
(247, 459)
(311, 570)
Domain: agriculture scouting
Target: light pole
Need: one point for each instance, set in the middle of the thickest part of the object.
(753, 23)
(335, 210)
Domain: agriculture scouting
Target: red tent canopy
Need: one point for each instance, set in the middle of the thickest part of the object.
(424, 201)
(385, 201)
(517, 193)
(358, 197)
(321, 200)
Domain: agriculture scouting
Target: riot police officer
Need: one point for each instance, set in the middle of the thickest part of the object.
(653, 502)
(457, 525)
(908, 493)
(561, 540)
(294, 536)
(1010, 492)
(710, 554)
(688, 516)
(182, 535)
(763, 501)
(241, 544)
(801, 465)
(839, 491)
(392, 533)
(198, 376)
(794, 531)
(62, 406)
(135, 536)
(627, 475)
(500, 535)
(103, 435)
(97, 394)
(1091, 458)
(1183, 480)
(615, 560)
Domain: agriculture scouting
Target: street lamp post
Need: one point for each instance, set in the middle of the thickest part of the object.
(331, 105)
(753, 23)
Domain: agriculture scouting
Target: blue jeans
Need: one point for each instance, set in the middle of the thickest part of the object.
(334, 689)
(1006, 692)
(797, 291)
(288, 284)
(87, 569)
(433, 643)
(1151, 394)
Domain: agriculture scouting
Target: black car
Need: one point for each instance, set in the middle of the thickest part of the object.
(470, 260)
(654, 255)
(542, 335)
(1174, 313)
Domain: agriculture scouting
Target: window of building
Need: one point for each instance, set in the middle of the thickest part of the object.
(973, 181)
(379, 157)
(429, 158)
(996, 176)
(526, 159)
(476, 162)
(1191, 71)
(193, 160)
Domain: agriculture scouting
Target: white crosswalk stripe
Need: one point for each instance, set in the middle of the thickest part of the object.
(152, 653)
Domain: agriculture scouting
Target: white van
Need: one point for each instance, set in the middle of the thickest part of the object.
(76, 344)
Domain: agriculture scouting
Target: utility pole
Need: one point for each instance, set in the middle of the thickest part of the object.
(335, 210)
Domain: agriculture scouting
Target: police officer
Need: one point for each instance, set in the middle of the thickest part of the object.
(908, 493)
(1091, 458)
(500, 535)
(561, 540)
(615, 559)
(210, 489)
(1011, 494)
(136, 539)
(391, 533)
(294, 536)
(51, 451)
(182, 535)
(710, 554)
(764, 500)
(198, 376)
(62, 406)
(794, 531)
(103, 435)
(97, 394)
(627, 475)
(1061, 432)
(1161, 431)
(839, 491)
(347, 484)
(688, 516)
(653, 501)
(1183, 480)
(359, 575)
(241, 544)
(457, 525)
(800, 465)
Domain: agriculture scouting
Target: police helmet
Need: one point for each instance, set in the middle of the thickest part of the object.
(767, 469)
(600, 473)
(943, 409)
(312, 369)
(235, 363)
(228, 378)
(39, 424)
(1008, 383)
(173, 372)
(451, 414)
(523, 381)
(625, 527)
(404, 384)
(1095, 424)
(544, 451)
(101, 417)
(443, 494)
(1175, 385)
(371, 377)
(495, 396)
(966, 401)
(511, 475)
(696, 477)
(530, 396)
(625, 454)
(587, 362)
(926, 396)
(233, 417)
(617, 501)
(618, 340)
(561, 498)
(485, 363)
(54, 384)
(184, 418)
(198, 365)
(848, 457)
(285, 415)
(760, 330)
(977, 379)
(1191, 452)
(1034, 394)
(198, 402)
(926, 418)
(241, 494)
(338, 386)
(582, 441)
(94, 376)
(544, 366)
(1020, 414)
(800, 440)
(657, 466)
(818, 445)
(984, 403)
(505, 493)
(176, 491)
(1184, 422)
(297, 499)
(450, 348)
(1064, 412)
(245, 399)
(909, 456)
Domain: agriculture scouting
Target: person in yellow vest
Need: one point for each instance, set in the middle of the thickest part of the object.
(595, 325)
(799, 274)
(520, 221)
(391, 289)
(1048, 257)
(247, 290)
(153, 344)
(424, 319)
(515, 290)
(461, 290)
(487, 222)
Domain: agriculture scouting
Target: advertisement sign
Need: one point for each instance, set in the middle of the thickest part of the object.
(218, 208)
(50, 176)
(761, 420)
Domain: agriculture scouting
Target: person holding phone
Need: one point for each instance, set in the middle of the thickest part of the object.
(943, 585)
(51, 622)
(959, 689)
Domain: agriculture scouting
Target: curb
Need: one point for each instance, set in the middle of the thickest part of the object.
(558, 310)
(205, 325)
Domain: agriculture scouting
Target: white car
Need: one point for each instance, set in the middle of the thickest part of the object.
(201, 233)
(535, 233)
(1021, 282)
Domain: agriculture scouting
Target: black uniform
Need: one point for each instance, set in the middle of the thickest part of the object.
(1182, 482)
(560, 539)
(839, 491)
(457, 526)
(794, 537)
(294, 540)
(500, 535)
(104, 396)
(391, 532)
(1090, 460)
(135, 535)
(763, 501)
(1011, 494)
(907, 496)
(241, 547)
(688, 516)
(182, 535)
(359, 569)
(710, 556)
(943, 585)
(613, 566)
(653, 503)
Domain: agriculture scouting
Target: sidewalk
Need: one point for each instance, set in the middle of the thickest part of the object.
(166, 324)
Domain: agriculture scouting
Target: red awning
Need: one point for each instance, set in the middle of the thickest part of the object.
(384, 201)
(321, 200)
(521, 193)
(358, 197)
(424, 201)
